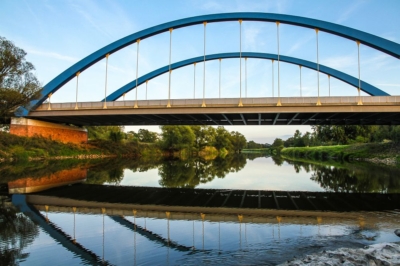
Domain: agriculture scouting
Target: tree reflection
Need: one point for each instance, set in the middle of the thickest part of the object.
(112, 171)
(278, 160)
(174, 173)
(192, 172)
(108, 172)
(16, 233)
(352, 177)
(254, 155)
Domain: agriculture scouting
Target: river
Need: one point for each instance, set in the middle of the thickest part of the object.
(245, 209)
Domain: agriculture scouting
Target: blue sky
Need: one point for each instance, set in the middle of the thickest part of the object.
(57, 34)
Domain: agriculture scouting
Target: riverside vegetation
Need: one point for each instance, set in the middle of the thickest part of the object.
(109, 141)
(378, 144)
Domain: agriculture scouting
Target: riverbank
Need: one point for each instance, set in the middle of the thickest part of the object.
(381, 153)
(16, 148)
(23, 149)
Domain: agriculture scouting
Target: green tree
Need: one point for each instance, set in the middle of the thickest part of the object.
(306, 139)
(253, 145)
(344, 134)
(238, 141)
(103, 132)
(132, 136)
(116, 136)
(278, 145)
(204, 136)
(222, 139)
(145, 135)
(18, 84)
(177, 137)
(289, 142)
(298, 139)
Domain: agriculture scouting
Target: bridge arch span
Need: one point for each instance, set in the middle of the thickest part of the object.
(366, 87)
(370, 40)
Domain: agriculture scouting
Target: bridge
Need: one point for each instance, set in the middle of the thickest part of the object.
(379, 108)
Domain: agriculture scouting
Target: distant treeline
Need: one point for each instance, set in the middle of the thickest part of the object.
(340, 135)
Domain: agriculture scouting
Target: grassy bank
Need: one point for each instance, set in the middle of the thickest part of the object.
(387, 153)
(262, 150)
(23, 149)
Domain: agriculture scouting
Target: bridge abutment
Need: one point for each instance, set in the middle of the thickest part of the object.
(29, 128)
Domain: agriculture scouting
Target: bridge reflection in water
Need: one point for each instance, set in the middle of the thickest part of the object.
(210, 200)
(124, 205)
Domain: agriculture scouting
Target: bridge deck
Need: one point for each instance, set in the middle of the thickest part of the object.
(375, 110)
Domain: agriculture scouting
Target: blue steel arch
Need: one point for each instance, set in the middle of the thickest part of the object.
(366, 87)
(373, 41)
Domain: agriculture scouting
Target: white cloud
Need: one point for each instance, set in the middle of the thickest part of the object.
(388, 85)
(300, 43)
(347, 13)
(246, 6)
(213, 5)
(378, 61)
(88, 16)
(251, 35)
(53, 55)
(108, 18)
(340, 62)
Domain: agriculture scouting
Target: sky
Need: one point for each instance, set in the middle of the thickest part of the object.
(57, 34)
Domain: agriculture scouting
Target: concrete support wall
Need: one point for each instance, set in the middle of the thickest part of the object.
(30, 128)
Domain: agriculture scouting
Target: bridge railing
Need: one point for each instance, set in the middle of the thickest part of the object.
(225, 102)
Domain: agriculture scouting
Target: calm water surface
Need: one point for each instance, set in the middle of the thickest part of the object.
(46, 234)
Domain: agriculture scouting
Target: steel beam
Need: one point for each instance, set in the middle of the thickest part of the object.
(291, 120)
(227, 119)
(276, 119)
(244, 120)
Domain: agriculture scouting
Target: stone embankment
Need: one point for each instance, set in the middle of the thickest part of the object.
(386, 161)
(378, 254)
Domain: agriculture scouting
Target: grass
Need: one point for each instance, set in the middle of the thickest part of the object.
(261, 150)
(346, 152)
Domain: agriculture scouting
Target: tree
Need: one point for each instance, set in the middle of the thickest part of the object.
(145, 135)
(116, 136)
(289, 142)
(253, 145)
(222, 139)
(103, 132)
(298, 139)
(306, 139)
(238, 141)
(18, 85)
(177, 137)
(278, 145)
(204, 136)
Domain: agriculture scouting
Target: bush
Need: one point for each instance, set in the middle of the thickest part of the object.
(20, 153)
(116, 136)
